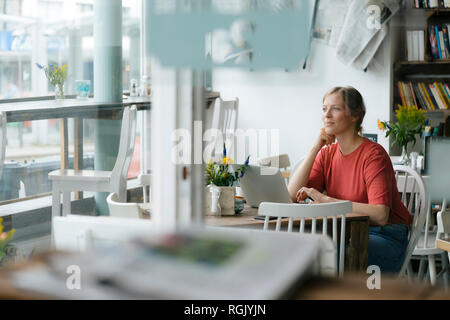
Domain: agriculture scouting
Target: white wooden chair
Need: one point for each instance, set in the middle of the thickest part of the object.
(225, 118)
(281, 161)
(226, 115)
(426, 250)
(313, 211)
(124, 209)
(65, 181)
(3, 132)
(131, 209)
(409, 182)
(443, 225)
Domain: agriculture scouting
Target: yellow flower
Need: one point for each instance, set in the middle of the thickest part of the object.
(381, 125)
(224, 175)
(227, 160)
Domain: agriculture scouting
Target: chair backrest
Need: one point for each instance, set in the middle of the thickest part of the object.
(415, 197)
(281, 161)
(3, 132)
(313, 211)
(226, 115)
(80, 233)
(443, 220)
(123, 209)
(126, 146)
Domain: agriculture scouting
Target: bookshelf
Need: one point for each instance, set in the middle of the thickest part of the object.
(430, 71)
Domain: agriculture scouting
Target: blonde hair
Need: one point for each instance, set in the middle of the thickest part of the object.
(354, 102)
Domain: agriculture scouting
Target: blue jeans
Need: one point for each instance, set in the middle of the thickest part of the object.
(387, 247)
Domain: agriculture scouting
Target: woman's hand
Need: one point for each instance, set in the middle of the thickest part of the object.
(305, 192)
(324, 139)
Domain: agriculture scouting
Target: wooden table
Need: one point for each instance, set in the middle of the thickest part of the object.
(443, 244)
(40, 108)
(356, 232)
(353, 286)
(49, 108)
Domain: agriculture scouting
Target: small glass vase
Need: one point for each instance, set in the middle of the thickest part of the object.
(59, 92)
(404, 158)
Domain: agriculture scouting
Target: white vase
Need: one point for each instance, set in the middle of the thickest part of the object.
(226, 201)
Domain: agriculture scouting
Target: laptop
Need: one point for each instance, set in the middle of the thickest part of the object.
(264, 184)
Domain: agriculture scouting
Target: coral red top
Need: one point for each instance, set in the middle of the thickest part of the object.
(366, 176)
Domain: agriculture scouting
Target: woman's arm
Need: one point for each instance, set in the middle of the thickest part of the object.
(378, 213)
(301, 175)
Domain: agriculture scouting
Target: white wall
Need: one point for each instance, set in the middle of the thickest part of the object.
(291, 102)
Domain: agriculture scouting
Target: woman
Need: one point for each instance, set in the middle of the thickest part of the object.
(358, 170)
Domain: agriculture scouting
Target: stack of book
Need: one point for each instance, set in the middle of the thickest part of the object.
(432, 4)
(425, 96)
(415, 45)
(439, 40)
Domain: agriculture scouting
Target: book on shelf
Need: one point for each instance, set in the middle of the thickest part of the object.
(400, 91)
(442, 94)
(442, 45)
(439, 38)
(426, 95)
(446, 38)
(447, 90)
(430, 96)
(435, 92)
(421, 35)
(431, 4)
(413, 95)
(422, 100)
(415, 45)
(433, 42)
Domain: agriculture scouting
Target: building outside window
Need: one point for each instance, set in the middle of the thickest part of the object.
(52, 32)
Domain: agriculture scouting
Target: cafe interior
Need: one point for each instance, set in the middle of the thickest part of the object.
(168, 149)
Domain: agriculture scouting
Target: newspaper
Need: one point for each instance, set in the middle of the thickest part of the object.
(330, 19)
(197, 264)
(364, 30)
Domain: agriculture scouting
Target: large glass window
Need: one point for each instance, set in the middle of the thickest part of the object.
(56, 32)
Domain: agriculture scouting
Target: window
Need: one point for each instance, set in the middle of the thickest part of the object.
(52, 32)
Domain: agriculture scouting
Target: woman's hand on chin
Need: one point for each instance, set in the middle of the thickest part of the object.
(305, 192)
(324, 139)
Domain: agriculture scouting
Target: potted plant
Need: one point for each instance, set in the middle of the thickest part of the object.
(56, 75)
(410, 122)
(7, 251)
(220, 181)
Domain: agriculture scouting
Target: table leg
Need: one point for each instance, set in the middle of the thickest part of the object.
(78, 149)
(64, 141)
(357, 246)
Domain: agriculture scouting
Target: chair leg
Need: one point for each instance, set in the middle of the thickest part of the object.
(144, 194)
(122, 194)
(421, 271)
(445, 267)
(409, 271)
(66, 203)
(432, 269)
(56, 203)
